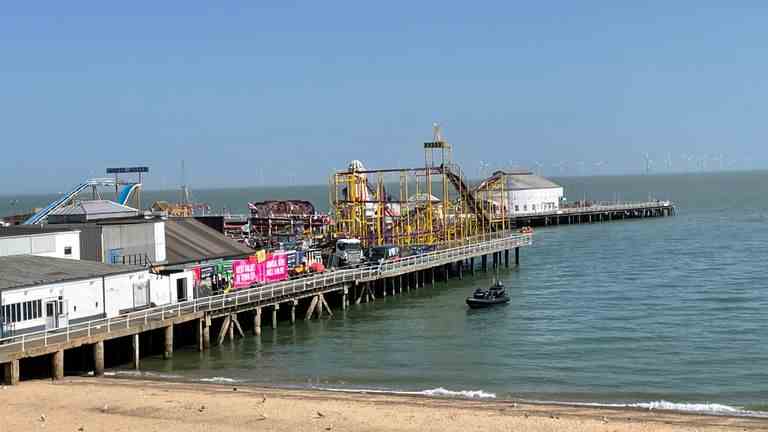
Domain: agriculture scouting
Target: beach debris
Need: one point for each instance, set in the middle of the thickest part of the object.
(525, 415)
(263, 417)
(320, 415)
(263, 399)
(604, 419)
(328, 428)
(514, 404)
(42, 418)
(80, 429)
(234, 388)
(202, 408)
(105, 408)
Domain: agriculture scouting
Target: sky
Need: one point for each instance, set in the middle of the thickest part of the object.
(282, 92)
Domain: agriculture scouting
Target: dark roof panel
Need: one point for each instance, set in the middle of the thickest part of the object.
(20, 271)
(187, 240)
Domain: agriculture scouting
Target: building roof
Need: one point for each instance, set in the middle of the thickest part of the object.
(528, 181)
(188, 240)
(28, 230)
(82, 211)
(18, 271)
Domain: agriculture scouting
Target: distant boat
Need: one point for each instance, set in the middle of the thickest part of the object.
(483, 298)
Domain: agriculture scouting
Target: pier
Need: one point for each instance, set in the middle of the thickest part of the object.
(123, 339)
(596, 213)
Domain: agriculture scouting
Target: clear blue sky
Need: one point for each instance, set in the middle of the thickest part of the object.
(294, 89)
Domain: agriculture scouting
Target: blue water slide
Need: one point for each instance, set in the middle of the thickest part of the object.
(126, 192)
(43, 213)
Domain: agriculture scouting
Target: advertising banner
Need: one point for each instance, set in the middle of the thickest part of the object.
(245, 273)
(276, 268)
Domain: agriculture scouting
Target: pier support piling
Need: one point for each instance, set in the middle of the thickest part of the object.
(98, 358)
(506, 258)
(200, 334)
(257, 322)
(274, 315)
(517, 256)
(225, 326)
(472, 265)
(168, 342)
(57, 365)
(135, 346)
(311, 308)
(460, 269)
(11, 373)
(207, 332)
(293, 311)
(345, 298)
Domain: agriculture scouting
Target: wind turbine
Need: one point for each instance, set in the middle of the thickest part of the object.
(599, 165)
(648, 163)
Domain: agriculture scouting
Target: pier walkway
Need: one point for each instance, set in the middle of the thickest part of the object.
(409, 272)
(595, 213)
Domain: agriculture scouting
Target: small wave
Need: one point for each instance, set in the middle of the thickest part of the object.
(141, 374)
(436, 392)
(470, 394)
(691, 407)
(704, 408)
(220, 380)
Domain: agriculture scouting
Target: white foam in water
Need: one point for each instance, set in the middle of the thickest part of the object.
(707, 408)
(437, 392)
(471, 394)
(700, 408)
(219, 380)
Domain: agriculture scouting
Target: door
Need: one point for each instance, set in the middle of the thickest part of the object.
(181, 289)
(62, 318)
(51, 314)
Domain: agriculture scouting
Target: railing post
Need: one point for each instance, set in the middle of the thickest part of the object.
(22, 342)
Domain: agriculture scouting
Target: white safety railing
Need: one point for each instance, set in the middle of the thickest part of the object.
(565, 211)
(273, 292)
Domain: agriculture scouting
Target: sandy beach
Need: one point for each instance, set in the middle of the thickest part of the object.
(108, 404)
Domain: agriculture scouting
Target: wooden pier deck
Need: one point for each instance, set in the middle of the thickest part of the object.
(596, 213)
(226, 310)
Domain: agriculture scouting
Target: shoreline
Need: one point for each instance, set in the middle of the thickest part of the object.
(704, 408)
(118, 404)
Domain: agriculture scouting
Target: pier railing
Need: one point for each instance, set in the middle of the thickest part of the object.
(266, 294)
(600, 207)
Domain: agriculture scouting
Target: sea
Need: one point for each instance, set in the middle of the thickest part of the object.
(657, 313)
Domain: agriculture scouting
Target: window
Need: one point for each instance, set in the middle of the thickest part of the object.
(525, 207)
(533, 207)
(517, 208)
(67, 250)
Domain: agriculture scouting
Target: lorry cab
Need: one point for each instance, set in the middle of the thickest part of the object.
(347, 252)
(378, 254)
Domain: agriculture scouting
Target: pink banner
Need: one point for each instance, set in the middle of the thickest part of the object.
(276, 268)
(245, 273)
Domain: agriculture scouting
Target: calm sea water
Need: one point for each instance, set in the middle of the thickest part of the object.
(659, 309)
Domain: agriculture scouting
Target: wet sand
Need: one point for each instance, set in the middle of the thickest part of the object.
(109, 404)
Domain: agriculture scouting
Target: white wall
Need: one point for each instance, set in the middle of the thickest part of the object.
(120, 293)
(84, 300)
(47, 244)
(160, 292)
(159, 241)
(535, 200)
